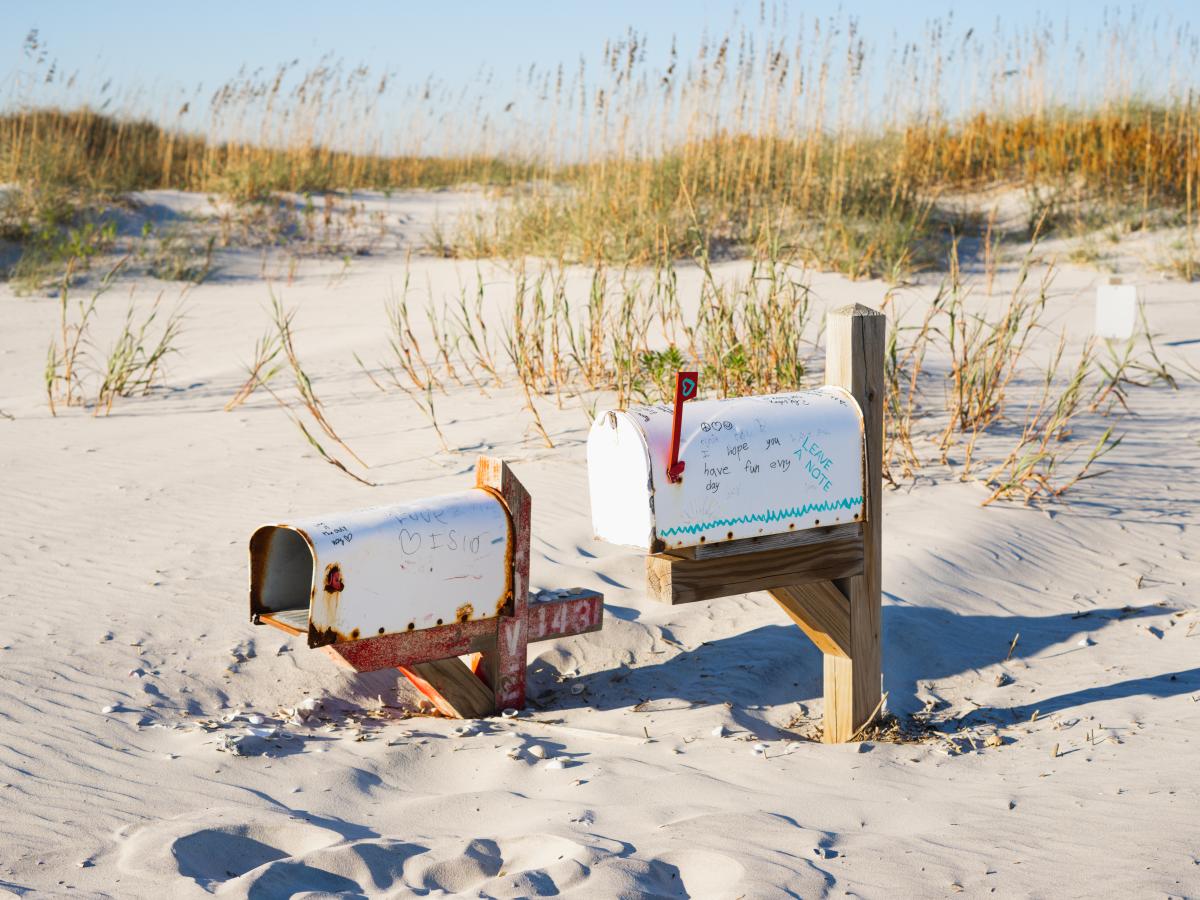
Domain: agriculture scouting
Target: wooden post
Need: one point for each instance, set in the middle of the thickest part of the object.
(504, 667)
(854, 355)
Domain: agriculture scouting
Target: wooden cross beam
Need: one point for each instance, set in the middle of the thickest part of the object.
(827, 580)
(494, 679)
(466, 690)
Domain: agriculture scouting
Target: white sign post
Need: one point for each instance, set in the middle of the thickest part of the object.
(1116, 310)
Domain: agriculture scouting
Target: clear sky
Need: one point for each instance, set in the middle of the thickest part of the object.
(185, 44)
(156, 50)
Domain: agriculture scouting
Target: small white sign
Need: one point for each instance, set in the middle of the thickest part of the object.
(1116, 311)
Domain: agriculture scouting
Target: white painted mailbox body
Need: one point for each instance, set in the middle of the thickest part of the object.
(385, 570)
(753, 466)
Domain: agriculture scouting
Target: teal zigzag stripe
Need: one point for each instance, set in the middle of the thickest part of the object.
(771, 515)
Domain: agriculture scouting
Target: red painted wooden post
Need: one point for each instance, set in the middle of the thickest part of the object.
(503, 667)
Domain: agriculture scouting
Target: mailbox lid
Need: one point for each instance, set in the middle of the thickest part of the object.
(391, 569)
(753, 466)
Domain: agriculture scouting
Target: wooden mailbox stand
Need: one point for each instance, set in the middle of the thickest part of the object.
(494, 679)
(827, 579)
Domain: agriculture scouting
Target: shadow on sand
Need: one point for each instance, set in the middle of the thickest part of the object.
(776, 665)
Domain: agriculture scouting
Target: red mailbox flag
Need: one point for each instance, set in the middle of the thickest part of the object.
(687, 385)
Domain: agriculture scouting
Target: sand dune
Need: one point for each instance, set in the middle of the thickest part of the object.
(123, 581)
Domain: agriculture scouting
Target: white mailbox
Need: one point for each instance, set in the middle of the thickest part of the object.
(753, 466)
(385, 570)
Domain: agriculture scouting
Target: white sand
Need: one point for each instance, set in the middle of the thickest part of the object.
(123, 583)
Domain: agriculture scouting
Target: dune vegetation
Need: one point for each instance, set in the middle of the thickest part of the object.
(790, 144)
(776, 138)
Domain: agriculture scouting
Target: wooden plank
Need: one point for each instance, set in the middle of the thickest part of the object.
(452, 688)
(580, 612)
(767, 542)
(389, 651)
(672, 580)
(503, 666)
(822, 612)
(292, 621)
(855, 340)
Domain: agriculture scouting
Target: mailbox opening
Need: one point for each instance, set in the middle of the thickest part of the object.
(282, 580)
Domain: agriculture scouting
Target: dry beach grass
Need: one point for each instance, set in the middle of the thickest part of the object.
(774, 140)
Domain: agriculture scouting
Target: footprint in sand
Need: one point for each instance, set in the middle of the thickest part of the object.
(533, 865)
(222, 845)
(676, 874)
(254, 853)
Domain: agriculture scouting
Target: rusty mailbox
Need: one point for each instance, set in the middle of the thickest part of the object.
(418, 585)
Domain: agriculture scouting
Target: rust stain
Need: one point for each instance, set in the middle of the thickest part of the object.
(510, 540)
(333, 579)
(318, 637)
(260, 551)
(323, 607)
(464, 613)
(324, 637)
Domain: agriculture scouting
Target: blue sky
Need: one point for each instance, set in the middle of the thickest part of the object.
(157, 52)
(186, 44)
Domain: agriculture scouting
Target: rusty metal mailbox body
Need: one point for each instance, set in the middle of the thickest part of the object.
(754, 467)
(419, 587)
(385, 570)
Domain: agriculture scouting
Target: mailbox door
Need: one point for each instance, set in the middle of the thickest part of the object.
(753, 466)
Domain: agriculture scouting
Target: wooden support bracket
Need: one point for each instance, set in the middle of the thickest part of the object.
(822, 612)
(433, 659)
(674, 579)
(453, 689)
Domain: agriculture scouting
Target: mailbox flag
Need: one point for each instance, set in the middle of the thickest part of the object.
(687, 385)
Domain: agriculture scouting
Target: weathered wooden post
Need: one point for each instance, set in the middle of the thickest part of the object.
(779, 493)
(418, 587)
(854, 357)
